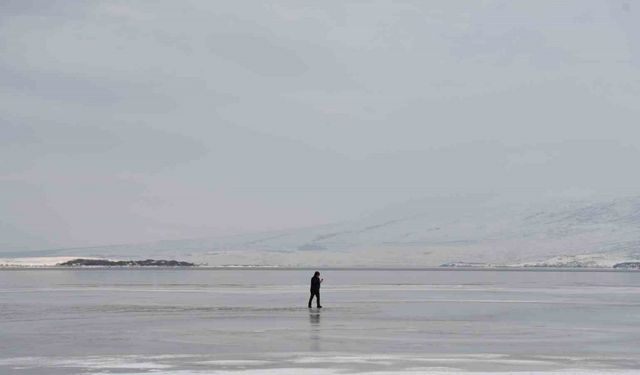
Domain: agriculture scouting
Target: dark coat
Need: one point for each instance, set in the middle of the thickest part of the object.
(315, 284)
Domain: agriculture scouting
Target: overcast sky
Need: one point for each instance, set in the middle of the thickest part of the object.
(125, 121)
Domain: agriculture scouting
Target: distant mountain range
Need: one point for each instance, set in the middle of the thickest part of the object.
(453, 231)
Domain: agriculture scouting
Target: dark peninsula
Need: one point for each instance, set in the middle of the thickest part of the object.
(125, 263)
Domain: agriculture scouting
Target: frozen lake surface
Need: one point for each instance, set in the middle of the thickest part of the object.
(208, 321)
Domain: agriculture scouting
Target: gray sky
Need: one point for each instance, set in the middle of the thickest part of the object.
(134, 121)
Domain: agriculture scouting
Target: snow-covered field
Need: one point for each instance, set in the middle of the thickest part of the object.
(34, 261)
(203, 321)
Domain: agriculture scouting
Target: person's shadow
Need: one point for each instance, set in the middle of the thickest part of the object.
(314, 331)
(314, 318)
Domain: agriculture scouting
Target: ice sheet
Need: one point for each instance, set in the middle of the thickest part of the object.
(256, 321)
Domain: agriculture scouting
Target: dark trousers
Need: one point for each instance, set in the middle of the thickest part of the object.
(317, 294)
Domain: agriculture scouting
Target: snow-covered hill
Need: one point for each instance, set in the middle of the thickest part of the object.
(479, 230)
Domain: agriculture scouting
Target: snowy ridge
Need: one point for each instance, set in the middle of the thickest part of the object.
(452, 231)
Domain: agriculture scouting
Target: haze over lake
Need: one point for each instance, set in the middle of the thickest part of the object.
(394, 145)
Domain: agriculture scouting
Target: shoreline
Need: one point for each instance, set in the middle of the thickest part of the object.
(305, 268)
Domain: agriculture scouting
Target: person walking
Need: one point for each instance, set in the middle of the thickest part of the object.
(315, 289)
